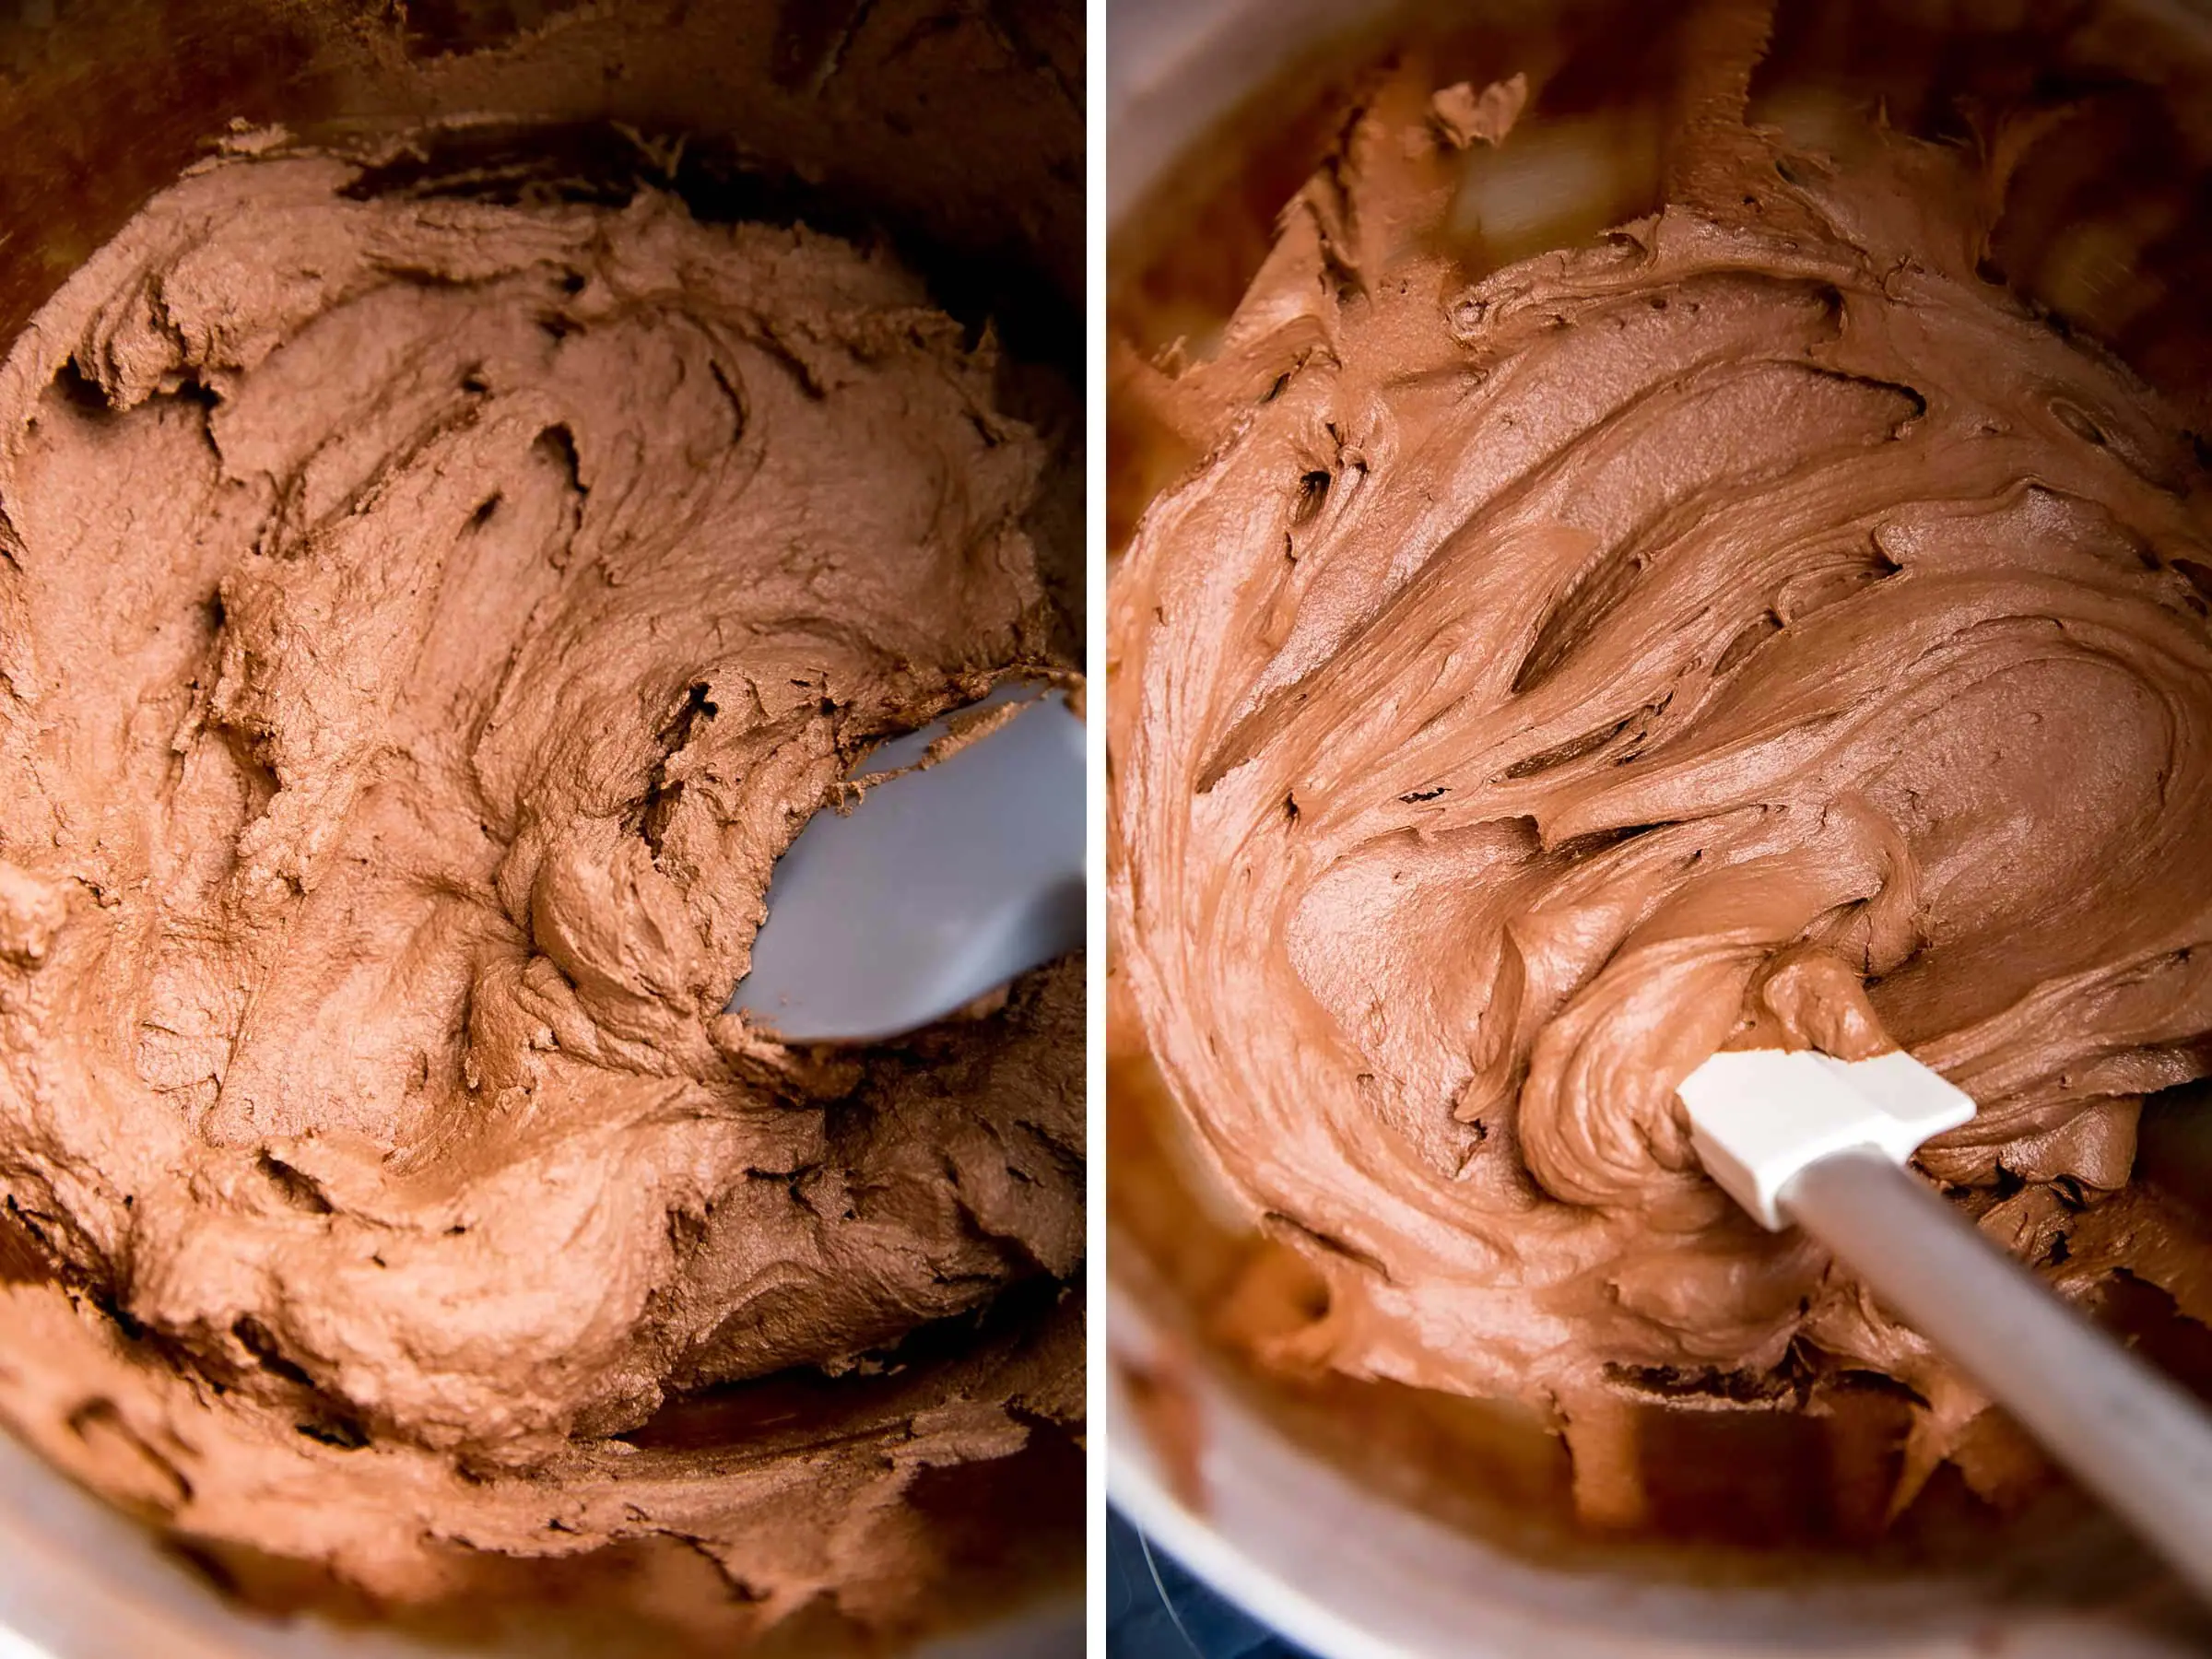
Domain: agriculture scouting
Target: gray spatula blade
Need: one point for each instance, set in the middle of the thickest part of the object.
(937, 886)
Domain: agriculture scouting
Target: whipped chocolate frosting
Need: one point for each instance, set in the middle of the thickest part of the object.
(1751, 627)
(424, 622)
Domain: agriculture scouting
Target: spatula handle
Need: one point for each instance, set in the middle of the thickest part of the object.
(2128, 1434)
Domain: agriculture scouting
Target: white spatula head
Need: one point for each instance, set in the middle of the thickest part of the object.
(937, 886)
(1758, 1116)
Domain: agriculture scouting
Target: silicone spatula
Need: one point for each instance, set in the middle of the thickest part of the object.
(939, 886)
(1803, 1139)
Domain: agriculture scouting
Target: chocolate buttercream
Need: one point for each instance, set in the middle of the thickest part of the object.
(1753, 627)
(426, 621)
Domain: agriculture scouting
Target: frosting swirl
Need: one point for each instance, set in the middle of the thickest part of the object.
(425, 621)
(1751, 626)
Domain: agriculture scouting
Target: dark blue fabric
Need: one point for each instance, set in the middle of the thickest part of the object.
(1188, 1621)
